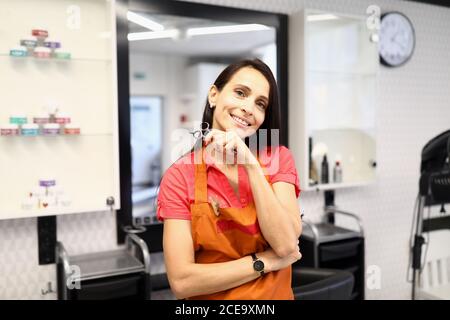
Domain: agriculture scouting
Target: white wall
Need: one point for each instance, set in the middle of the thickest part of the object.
(155, 70)
(412, 108)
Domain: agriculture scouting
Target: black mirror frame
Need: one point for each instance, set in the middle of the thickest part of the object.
(153, 235)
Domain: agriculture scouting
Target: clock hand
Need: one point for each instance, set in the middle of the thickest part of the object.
(394, 36)
(400, 45)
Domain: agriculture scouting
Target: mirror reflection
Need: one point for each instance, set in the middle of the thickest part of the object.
(341, 67)
(173, 62)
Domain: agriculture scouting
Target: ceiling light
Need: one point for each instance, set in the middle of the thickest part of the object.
(174, 33)
(225, 29)
(144, 22)
(322, 17)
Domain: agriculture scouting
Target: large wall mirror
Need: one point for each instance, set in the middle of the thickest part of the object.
(171, 71)
(333, 92)
(340, 77)
(176, 51)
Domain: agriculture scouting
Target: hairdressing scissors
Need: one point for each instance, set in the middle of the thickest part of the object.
(202, 132)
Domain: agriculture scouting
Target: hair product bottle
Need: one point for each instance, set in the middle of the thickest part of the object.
(324, 173)
(337, 172)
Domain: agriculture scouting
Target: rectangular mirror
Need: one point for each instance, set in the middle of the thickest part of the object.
(178, 64)
(338, 73)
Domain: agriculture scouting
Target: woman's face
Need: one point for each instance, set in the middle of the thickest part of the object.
(242, 103)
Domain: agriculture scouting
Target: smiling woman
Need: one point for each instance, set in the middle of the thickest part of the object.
(242, 102)
(249, 236)
(244, 98)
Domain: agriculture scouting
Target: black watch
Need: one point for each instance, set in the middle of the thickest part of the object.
(258, 265)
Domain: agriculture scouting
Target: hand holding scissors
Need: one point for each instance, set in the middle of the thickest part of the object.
(202, 132)
(231, 146)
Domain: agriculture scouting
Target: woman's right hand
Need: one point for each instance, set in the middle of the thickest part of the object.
(272, 262)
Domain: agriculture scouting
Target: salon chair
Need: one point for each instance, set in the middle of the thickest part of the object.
(109, 275)
(307, 284)
(321, 284)
(161, 288)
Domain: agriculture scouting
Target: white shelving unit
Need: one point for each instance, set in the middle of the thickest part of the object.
(84, 167)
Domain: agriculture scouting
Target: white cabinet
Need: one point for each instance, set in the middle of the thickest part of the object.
(75, 167)
(333, 66)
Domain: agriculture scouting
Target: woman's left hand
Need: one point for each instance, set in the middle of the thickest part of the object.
(230, 146)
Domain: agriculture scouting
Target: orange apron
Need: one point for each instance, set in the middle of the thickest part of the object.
(231, 235)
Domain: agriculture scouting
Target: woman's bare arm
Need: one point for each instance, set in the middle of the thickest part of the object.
(188, 278)
(277, 209)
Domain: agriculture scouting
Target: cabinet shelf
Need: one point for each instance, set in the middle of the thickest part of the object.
(75, 208)
(333, 186)
(66, 136)
(7, 55)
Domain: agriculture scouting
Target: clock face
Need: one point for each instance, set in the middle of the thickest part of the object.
(259, 265)
(397, 39)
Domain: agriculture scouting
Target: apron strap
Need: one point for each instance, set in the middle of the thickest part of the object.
(200, 178)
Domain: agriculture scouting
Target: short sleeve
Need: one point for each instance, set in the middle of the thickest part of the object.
(173, 197)
(287, 171)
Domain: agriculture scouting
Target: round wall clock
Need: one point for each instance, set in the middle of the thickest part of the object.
(397, 39)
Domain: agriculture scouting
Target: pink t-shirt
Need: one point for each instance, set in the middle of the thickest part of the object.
(176, 191)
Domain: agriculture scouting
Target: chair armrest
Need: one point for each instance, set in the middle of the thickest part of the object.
(321, 284)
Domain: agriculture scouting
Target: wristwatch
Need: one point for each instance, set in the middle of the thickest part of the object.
(258, 265)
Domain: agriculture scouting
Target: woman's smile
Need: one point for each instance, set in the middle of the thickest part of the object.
(240, 121)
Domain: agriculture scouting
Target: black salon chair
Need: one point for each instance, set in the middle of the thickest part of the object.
(161, 288)
(321, 284)
(307, 284)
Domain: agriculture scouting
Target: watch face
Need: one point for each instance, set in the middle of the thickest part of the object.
(258, 265)
(397, 39)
